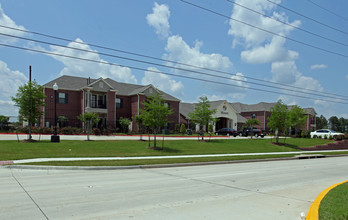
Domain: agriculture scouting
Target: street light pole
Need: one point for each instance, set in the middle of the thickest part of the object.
(55, 137)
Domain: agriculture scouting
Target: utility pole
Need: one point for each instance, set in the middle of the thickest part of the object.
(30, 107)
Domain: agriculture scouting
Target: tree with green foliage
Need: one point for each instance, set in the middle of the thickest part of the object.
(251, 123)
(62, 121)
(334, 123)
(177, 128)
(183, 129)
(124, 122)
(321, 122)
(3, 121)
(89, 119)
(155, 114)
(140, 125)
(202, 114)
(30, 99)
(278, 119)
(343, 127)
(296, 118)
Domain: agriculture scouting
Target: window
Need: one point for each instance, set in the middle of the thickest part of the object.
(101, 101)
(253, 115)
(63, 98)
(94, 101)
(167, 105)
(119, 103)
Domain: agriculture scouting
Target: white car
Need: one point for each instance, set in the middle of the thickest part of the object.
(327, 132)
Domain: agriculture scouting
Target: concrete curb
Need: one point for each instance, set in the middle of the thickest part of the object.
(313, 213)
(44, 167)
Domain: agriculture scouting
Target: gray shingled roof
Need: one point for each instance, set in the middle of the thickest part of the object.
(77, 83)
(186, 108)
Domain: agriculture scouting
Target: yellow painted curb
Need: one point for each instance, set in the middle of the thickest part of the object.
(313, 213)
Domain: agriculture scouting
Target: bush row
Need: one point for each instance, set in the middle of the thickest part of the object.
(64, 130)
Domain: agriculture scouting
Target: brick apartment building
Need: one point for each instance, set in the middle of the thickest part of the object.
(111, 100)
(234, 115)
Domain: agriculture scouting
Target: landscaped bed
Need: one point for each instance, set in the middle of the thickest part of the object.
(335, 203)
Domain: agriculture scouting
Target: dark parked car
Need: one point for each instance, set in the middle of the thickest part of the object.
(251, 132)
(227, 131)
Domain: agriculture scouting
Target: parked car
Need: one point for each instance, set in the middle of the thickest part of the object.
(322, 132)
(252, 132)
(227, 131)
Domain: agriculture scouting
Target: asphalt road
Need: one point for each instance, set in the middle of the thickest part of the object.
(261, 190)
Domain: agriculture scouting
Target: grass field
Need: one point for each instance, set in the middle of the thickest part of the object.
(12, 150)
(335, 204)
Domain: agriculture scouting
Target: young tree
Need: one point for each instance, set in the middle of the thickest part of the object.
(182, 129)
(202, 114)
(62, 121)
(30, 99)
(278, 119)
(124, 122)
(89, 119)
(155, 114)
(251, 123)
(3, 121)
(296, 117)
(140, 123)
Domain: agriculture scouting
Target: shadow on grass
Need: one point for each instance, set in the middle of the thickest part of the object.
(171, 150)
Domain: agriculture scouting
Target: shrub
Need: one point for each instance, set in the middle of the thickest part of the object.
(106, 132)
(210, 128)
(96, 131)
(70, 130)
(182, 129)
(177, 128)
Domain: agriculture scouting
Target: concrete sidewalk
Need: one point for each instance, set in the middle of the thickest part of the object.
(36, 160)
(111, 137)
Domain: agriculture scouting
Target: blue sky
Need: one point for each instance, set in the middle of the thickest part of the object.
(177, 31)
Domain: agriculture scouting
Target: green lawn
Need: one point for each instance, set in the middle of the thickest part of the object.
(335, 203)
(12, 150)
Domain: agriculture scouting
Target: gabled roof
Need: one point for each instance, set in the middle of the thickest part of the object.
(262, 106)
(126, 89)
(186, 108)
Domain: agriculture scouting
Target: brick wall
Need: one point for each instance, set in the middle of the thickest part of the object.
(260, 115)
(111, 120)
(70, 110)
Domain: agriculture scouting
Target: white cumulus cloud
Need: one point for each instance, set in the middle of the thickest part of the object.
(83, 68)
(261, 46)
(11, 80)
(7, 21)
(178, 50)
(159, 19)
(163, 82)
(273, 51)
(318, 66)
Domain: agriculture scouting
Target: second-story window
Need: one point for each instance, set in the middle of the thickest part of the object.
(62, 98)
(119, 103)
